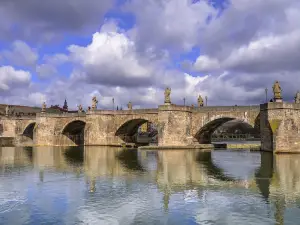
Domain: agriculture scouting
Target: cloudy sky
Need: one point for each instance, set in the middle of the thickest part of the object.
(131, 50)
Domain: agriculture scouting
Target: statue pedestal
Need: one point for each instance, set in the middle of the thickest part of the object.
(278, 100)
(167, 103)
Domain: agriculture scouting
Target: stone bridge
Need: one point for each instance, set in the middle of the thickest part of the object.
(278, 123)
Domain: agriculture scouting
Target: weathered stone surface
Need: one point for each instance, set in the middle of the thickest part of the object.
(174, 123)
(280, 127)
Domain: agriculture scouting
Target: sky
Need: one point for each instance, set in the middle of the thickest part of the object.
(131, 50)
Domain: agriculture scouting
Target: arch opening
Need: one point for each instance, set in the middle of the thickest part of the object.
(29, 130)
(226, 130)
(1, 129)
(138, 131)
(75, 131)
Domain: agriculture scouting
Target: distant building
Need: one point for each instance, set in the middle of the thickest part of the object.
(20, 110)
(64, 109)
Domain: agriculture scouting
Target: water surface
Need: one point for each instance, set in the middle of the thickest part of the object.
(111, 186)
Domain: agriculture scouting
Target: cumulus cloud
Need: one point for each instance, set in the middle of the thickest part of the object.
(205, 63)
(20, 54)
(56, 59)
(111, 59)
(11, 78)
(169, 24)
(46, 70)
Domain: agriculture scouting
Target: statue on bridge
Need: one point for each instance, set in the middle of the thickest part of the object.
(7, 110)
(200, 101)
(297, 97)
(94, 103)
(44, 106)
(80, 109)
(129, 105)
(167, 95)
(277, 92)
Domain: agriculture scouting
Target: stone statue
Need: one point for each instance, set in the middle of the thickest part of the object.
(297, 97)
(277, 92)
(80, 109)
(200, 101)
(167, 95)
(129, 105)
(44, 106)
(7, 110)
(94, 103)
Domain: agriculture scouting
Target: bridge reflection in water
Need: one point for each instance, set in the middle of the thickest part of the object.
(275, 178)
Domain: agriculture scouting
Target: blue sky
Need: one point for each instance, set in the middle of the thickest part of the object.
(132, 50)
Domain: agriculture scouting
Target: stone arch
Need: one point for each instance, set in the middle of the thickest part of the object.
(203, 135)
(127, 130)
(74, 130)
(29, 130)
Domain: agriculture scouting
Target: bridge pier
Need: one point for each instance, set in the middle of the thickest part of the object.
(100, 129)
(280, 127)
(174, 125)
(45, 132)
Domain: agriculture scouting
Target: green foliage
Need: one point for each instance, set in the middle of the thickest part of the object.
(274, 124)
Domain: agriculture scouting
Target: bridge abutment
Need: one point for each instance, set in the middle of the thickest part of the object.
(280, 127)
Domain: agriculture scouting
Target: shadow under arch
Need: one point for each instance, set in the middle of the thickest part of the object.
(129, 159)
(29, 130)
(128, 131)
(204, 135)
(74, 154)
(75, 131)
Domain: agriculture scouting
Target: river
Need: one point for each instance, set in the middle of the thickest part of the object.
(112, 186)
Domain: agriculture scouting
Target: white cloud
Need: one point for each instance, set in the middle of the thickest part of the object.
(205, 63)
(21, 54)
(46, 70)
(56, 59)
(267, 54)
(175, 24)
(11, 78)
(37, 98)
(111, 59)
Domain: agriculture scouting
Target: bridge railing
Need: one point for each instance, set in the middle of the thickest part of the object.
(61, 114)
(12, 117)
(125, 111)
(228, 108)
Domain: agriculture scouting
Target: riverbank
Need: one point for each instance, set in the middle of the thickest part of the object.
(188, 147)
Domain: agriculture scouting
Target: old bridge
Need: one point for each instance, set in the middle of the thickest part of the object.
(277, 122)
